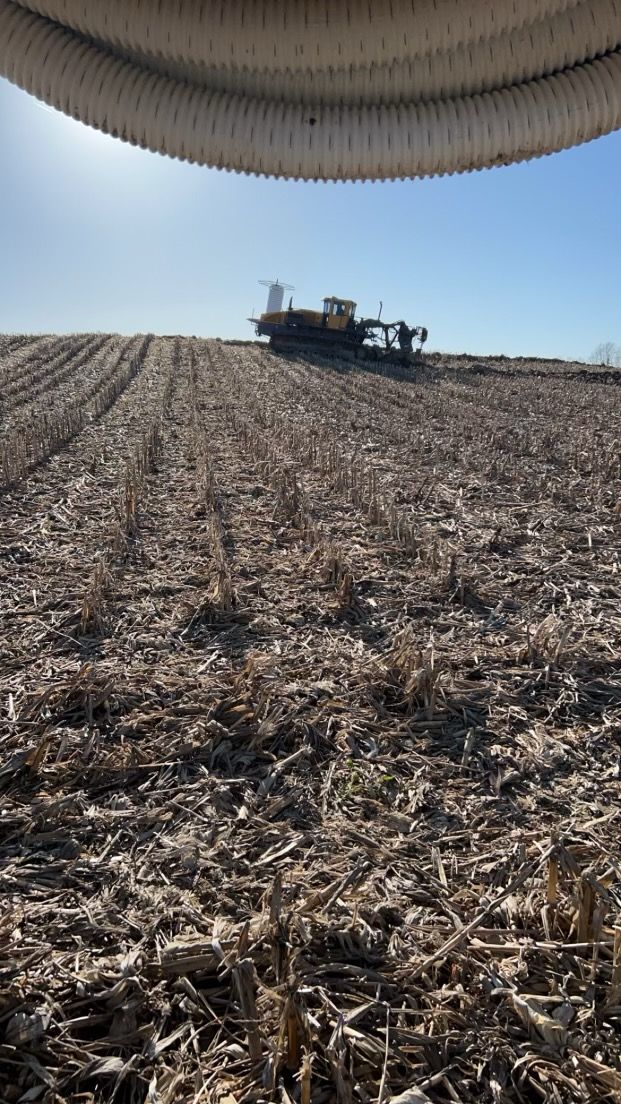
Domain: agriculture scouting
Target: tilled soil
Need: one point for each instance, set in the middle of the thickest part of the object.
(311, 729)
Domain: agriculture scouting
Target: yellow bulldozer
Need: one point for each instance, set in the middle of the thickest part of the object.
(336, 331)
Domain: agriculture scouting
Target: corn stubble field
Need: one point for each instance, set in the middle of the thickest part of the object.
(311, 727)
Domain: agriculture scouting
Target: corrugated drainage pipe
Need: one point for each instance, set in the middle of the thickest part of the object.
(332, 91)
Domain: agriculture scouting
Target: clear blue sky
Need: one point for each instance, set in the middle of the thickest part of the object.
(98, 235)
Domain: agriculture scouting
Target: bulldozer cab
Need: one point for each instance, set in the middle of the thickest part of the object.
(337, 313)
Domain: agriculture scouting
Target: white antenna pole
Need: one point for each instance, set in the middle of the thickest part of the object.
(276, 294)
